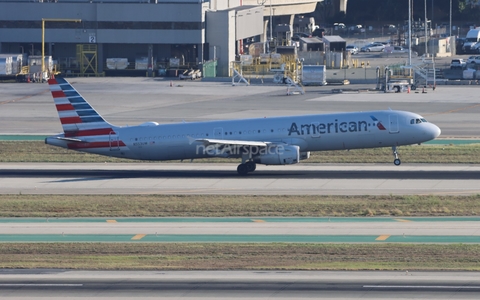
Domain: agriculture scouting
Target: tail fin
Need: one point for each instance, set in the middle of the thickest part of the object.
(77, 116)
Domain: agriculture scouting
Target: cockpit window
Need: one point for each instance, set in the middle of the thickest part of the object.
(418, 121)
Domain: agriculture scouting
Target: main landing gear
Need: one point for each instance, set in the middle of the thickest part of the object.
(397, 161)
(245, 168)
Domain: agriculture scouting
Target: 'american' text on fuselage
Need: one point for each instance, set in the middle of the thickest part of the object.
(324, 128)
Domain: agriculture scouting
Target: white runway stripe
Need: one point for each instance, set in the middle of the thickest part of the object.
(39, 284)
(421, 287)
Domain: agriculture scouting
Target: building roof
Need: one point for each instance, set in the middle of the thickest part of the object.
(333, 38)
(311, 40)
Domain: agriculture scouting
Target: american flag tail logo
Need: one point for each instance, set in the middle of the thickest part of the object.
(378, 123)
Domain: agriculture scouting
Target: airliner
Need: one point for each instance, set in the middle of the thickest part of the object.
(270, 141)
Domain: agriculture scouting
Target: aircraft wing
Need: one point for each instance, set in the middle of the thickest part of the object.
(233, 142)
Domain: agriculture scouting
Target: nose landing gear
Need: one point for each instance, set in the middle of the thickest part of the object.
(397, 161)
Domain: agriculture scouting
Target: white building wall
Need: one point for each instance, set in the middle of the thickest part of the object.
(221, 39)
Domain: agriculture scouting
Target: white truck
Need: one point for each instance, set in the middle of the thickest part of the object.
(472, 41)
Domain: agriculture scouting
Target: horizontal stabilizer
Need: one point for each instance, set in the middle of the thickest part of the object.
(70, 139)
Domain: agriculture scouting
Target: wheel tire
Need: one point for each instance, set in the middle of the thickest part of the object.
(242, 169)
(397, 162)
(413, 87)
(368, 50)
(251, 166)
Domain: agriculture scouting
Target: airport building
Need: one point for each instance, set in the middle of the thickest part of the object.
(82, 35)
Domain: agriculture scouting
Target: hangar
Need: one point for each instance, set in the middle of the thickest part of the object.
(147, 33)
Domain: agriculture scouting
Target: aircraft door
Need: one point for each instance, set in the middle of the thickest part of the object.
(114, 141)
(218, 133)
(393, 123)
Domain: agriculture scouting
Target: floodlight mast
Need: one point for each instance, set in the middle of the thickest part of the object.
(43, 38)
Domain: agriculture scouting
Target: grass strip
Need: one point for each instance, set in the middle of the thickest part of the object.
(279, 256)
(37, 151)
(236, 205)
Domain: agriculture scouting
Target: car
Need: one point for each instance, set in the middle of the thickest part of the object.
(399, 50)
(473, 60)
(458, 63)
(378, 47)
(390, 28)
(355, 28)
(352, 49)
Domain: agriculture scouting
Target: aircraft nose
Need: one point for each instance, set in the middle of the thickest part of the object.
(434, 130)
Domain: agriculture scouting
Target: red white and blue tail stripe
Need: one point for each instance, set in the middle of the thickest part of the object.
(83, 127)
(78, 118)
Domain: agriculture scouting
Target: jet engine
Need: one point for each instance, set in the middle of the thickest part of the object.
(278, 155)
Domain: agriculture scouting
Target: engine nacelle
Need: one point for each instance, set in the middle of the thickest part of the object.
(278, 155)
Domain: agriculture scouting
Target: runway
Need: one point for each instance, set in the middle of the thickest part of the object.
(29, 284)
(200, 178)
(29, 109)
(242, 230)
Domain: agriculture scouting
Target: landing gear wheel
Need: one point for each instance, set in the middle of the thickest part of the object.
(242, 169)
(397, 161)
(251, 166)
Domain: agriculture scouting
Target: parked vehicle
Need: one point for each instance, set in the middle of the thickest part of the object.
(399, 50)
(355, 28)
(473, 37)
(475, 48)
(458, 63)
(390, 28)
(339, 26)
(473, 60)
(378, 47)
(352, 49)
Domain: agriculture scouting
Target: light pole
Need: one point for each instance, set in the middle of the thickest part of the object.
(43, 38)
(426, 25)
(409, 33)
(450, 29)
(271, 25)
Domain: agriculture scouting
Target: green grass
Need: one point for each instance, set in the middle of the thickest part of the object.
(235, 205)
(37, 151)
(275, 256)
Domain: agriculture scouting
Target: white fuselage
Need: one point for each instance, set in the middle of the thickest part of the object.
(310, 132)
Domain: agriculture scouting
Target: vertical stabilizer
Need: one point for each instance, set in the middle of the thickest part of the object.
(77, 116)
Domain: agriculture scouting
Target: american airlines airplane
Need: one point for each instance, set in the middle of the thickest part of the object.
(268, 141)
